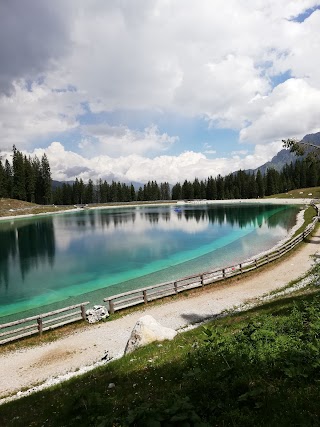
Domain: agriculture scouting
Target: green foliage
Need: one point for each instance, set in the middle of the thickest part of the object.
(179, 412)
(261, 368)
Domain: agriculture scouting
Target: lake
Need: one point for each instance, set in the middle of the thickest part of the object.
(57, 260)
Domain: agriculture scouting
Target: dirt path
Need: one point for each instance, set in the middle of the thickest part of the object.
(24, 368)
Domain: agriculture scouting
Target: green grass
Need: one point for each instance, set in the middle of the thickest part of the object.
(259, 368)
(309, 214)
(300, 193)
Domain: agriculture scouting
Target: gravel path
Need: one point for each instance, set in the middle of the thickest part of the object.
(37, 365)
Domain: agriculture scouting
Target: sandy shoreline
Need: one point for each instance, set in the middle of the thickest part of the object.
(54, 362)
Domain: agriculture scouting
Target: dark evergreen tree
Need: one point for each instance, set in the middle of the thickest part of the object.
(3, 190)
(89, 192)
(8, 178)
(30, 179)
(220, 187)
(177, 191)
(211, 191)
(19, 183)
(132, 193)
(46, 180)
(260, 185)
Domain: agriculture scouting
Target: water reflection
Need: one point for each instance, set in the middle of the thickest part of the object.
(236, 215)
(32, 244)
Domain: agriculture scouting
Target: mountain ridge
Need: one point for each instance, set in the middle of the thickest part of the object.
(284, 156)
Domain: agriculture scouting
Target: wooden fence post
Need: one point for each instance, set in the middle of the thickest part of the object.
(111, 307)
(175, 285)
(256, 263)
(40, 325)
(145, 299)
(201, 278)
(83, 312)
(240, 265)
(223, 273)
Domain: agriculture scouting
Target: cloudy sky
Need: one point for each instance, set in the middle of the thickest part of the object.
(134, 90)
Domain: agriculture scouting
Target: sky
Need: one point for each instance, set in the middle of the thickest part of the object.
(166, 90)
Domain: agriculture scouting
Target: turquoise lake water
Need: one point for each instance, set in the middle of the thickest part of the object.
(55, 261)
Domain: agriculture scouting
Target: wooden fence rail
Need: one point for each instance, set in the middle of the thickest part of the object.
(42, 322)
(150, 293)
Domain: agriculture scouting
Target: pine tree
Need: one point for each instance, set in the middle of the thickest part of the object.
(2, 180)
(30, 178)
(8, 178)
(259, 181)
(177, 191)
(89, 192)
(19, 183)
(46, 180)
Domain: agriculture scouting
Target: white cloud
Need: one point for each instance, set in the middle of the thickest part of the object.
(214, 60)
(120, 140)
(67, 165)
(36, 112)
(292, 109)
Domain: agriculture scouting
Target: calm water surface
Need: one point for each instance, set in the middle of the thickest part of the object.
(55, 261)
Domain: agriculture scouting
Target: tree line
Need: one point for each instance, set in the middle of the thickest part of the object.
(30, 179)
(239, 185)
(26, 178)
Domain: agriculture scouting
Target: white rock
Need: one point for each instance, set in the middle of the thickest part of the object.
(148, 330)
(96, 313)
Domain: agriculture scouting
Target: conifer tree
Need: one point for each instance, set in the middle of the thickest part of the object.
(19, 183)
(259, 181)
(2, 180)
(46, 180)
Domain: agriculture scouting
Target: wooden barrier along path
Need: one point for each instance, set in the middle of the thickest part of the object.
(151, 293)
(42, 322)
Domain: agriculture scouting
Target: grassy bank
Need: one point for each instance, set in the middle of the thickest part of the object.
(300, 193)
(259, 368)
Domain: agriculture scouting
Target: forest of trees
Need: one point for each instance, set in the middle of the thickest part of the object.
(26, 178)
(30, 179)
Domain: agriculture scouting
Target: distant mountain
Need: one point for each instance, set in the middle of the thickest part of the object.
(59, 184)
(285, 157)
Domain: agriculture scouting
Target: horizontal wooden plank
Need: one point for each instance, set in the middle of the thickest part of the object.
(24, 328)
(121, 307)
(161, 295)
(61, 310)
(134, 291)
(159, 291)
(125, 300)
(29, 319)
(18, 322)
(65, 316)
(17, 337)
(190, 286)
(58, 325)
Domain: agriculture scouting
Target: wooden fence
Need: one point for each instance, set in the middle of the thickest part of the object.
(44, 322)
(151, 293)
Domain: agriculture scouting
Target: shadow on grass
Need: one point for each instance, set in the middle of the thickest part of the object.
(260, 370)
